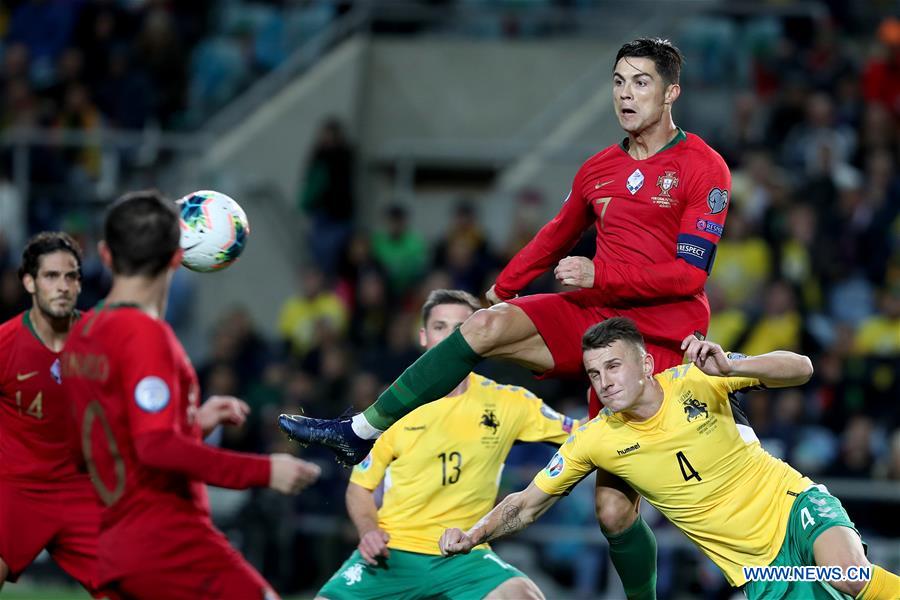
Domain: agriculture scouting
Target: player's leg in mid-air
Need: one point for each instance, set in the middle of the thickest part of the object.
(502, 331)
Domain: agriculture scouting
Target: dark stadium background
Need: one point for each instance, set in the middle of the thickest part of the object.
(383, 149)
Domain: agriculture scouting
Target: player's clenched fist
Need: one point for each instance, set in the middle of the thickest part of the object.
(290, 475)
(577, 271)
(455, 541)
(374, 544)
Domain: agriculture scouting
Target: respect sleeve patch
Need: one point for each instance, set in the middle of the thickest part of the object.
(696, 250)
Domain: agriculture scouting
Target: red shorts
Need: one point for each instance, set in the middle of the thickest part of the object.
(562, 319)
(190, 562)
(63, 518)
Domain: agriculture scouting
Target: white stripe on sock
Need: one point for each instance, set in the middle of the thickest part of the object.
(363, 428)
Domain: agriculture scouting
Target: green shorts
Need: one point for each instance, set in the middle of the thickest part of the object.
(813, 512)
(413, 575)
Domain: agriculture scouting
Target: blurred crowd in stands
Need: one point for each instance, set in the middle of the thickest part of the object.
(809, 261)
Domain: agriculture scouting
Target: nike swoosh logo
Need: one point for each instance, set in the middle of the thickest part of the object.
(601, 184)
(23, 377)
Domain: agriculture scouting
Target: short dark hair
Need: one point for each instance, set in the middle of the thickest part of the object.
(47, 242)
(665, 56)
(142, 233)
(606, 332)
(438, 297)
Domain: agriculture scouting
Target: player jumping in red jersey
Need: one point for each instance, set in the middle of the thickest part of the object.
(658, 201)
(136, 397)
(37, 473)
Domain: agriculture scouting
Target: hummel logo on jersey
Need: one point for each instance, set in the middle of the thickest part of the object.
(625, 451)
(24, 376)
(600, 184)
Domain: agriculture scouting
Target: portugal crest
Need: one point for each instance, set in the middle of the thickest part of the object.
(666, 182)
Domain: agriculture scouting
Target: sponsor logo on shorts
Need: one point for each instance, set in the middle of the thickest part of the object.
(353, 574)
(151, 394)
(555, 466)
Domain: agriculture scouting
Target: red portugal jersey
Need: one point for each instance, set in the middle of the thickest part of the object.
(35, 419)
(136, 398)
(658, 221)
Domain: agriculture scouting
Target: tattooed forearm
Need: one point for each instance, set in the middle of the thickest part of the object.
(510, 521)
(514, 513)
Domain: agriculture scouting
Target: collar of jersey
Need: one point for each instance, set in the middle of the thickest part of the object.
(102, 305)
(26, 320)
(679, 137)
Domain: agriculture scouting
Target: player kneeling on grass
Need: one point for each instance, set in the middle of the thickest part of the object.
(445, 460)
(140, 428)
(680, 440)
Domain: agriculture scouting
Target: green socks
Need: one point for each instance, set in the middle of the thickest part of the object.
(633, 553)
(433, 376)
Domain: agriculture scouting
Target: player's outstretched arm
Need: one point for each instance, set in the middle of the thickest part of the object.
(773, 369)
(169, 450)
(364, 514)
(514, 513)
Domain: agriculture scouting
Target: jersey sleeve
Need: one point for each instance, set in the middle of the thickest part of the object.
(539, 422)
(370, 471)
(552, 242)
(567, 467)
(149, 374)
(740, 384)
(148, 367)
(703, 221)
(701, 226)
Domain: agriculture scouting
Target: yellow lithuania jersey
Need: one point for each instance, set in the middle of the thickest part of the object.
(441, 463)
(698, 462)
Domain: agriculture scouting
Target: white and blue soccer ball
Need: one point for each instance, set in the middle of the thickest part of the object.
(214, 230)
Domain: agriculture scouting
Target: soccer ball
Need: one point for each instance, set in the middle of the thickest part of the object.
(214, 230)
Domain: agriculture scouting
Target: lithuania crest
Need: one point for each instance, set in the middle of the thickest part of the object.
(489, 420)
(693, 408)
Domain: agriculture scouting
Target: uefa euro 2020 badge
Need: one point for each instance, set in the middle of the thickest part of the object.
(635, 181)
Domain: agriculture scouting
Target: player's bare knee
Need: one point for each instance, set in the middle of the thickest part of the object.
(4, 572)
(484, 329)
(615, 512)
(516, 588)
